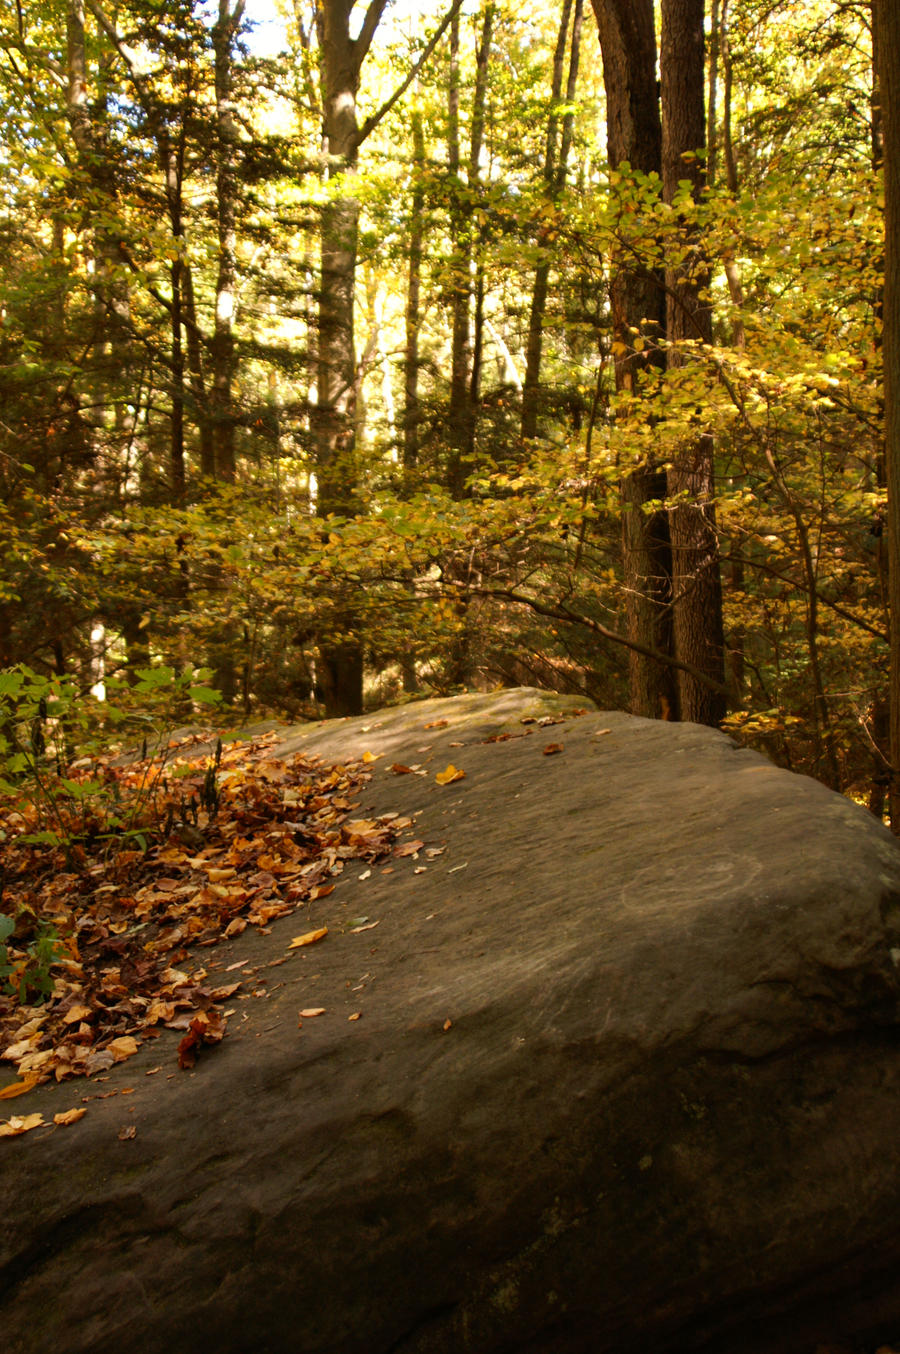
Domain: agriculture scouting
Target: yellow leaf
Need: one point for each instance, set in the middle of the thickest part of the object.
(355, 1016)
(11, 1128)
(310, 1011)
(450, 774)
(69, 1116)
(371, 757)
(76, 1013)
(308, 938)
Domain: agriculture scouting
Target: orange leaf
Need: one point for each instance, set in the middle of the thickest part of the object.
(551, 748)
(69, 1116)
(17, 1088)
(309, 1012)
(12, 1127)
(124, 1047)
(308, 938)
(355, 1016)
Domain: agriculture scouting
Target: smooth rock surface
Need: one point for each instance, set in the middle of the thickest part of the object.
(662, 1117)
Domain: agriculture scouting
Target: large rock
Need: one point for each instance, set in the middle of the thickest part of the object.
(625, 1078)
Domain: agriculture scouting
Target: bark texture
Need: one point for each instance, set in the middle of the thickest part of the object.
(886, 15)
(696, 578)
(634, 137)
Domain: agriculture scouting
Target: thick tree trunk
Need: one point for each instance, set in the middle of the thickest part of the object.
(887, 27)
(696, 581)
(634, 136)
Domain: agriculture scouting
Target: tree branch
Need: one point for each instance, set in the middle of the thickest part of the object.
(363, 42)
(372, 122)
(560, 612)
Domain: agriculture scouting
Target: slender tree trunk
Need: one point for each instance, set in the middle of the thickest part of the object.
(222, 352)
(411, 415)
(886, 15)
(696, 581)
(199, 399)
(340, 663)
(628, 46)
(461, 415)
(555, 164)
(172, 161)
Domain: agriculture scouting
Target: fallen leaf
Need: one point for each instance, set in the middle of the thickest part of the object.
(366, 926)
(124, 1047)
(308, 938)
(447, 1024)
(551, 748)
(207, 1027)
(355, 1016)
(12, 1127)
(408, 848)
(234, 928)
(450, 774)
(310, 1012)
(18, 1088)
(437, 724)
(69, 1116)
(128, 1131)
(76, 1013)
(369, 757)
(400, 770)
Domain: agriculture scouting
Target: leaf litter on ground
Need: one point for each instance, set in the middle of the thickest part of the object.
(132, 925)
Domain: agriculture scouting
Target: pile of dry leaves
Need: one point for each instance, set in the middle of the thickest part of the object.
(133, 925)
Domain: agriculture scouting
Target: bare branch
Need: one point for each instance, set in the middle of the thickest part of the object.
(372, 122)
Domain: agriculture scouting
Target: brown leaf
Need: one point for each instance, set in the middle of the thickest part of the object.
(408, 848)
(355, 1016)
(437, 724)
(400, 770)
(551, 748)
(446, 1026)
(127, 1131)
(310, 1012)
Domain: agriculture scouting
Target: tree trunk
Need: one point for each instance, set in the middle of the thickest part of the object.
(634, 136)
(696, 581)
(223, 35)
(461, 415)
(555, 163)
(340, 663)
(887, 27)
(411, 414)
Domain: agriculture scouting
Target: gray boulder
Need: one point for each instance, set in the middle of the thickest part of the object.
(614, 1070)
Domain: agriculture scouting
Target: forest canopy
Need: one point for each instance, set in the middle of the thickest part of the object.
(456, 346)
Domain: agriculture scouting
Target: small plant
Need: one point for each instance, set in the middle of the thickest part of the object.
(28, 974)
(46, 721)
